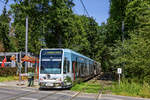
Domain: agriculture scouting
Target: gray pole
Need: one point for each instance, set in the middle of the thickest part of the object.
(119, 79)
(26, 44)
(9, 27)
(123, 47)
(123, 31)
(20, 56)
(19, 66)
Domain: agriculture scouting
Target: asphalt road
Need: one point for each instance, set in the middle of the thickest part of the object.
(35, 94)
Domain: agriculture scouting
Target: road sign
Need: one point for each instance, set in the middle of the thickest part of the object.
(119, 70)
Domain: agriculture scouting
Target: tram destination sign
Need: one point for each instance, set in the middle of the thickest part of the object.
(52, 52)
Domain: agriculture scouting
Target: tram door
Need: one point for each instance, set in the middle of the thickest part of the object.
(74, 68)
(66, 65)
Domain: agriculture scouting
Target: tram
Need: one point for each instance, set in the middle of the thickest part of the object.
(59, 68)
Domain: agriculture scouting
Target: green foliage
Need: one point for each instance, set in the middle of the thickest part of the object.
(131, 89)
(1, 47)
(137, 15)
(4, 32)
(133, 54)
(145, 91)
(112, 32)
(6, 40)
(117, 15)
(117, 9)
(84, 37)
(53, 24)
(60, 23)
(20, 10)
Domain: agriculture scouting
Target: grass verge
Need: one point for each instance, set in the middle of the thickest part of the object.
(8, 78)
(87, 87)
(126, 88)
(129, 89)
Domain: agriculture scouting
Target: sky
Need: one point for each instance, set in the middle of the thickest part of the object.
(98, 9)
(2, 5)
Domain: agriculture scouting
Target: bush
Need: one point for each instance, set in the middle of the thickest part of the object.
(12, 71)
(126, 88)
(145, 91)
(7, 71)
(147, 79)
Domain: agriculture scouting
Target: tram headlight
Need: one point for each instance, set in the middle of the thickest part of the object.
(57, 84)
(48, 76)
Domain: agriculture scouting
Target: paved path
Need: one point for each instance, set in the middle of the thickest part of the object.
(19, 84)
(12, 93)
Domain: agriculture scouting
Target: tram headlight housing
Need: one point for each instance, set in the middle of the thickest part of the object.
(48, 76)
(41, 79)
(57, 84)
(58, 79)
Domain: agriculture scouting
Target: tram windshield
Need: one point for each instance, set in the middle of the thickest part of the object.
(51, 62)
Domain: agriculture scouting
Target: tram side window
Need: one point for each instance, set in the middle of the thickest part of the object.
(78, 69)
(86, 71)
(66, 66)
(82, 69)
(90, 68)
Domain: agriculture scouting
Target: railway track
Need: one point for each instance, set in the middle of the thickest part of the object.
(101, 90)
(16, 97)
(97, 97)
(42, 98)
(54, 94)
(73, 97)
(60, 94)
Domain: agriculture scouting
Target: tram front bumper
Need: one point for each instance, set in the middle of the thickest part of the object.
(51, 84)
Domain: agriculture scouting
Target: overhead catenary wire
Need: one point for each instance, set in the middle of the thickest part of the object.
(4, 3)
(85, 8)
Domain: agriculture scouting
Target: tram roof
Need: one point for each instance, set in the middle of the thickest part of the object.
(68, 50)
(71, 51)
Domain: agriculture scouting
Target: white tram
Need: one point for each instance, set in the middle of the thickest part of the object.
(59, 68)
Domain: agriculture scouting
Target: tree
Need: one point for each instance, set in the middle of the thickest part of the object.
(6, 44)
(117, 15)
(60, 22)
(134, 53)
(35, 10)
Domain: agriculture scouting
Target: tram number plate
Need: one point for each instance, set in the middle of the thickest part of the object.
(49, 84)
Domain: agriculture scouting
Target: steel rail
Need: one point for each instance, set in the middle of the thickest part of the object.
(23, 95)
(48, 95)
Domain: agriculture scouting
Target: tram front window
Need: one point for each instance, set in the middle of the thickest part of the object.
(50, 67)
(51, 62)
